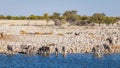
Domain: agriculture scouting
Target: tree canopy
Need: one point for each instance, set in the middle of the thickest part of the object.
(70, 16)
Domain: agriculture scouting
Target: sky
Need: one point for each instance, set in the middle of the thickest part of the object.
(39, 7)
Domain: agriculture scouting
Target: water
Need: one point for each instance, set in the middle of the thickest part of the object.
(70, 61)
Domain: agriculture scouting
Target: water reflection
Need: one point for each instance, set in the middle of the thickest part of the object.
(69, 61)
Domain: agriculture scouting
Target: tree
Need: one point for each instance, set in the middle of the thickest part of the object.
(84, 17)
(110, 20)
(23, 17)
(9, 17)
(33, 17)
(2, 17)
(55, 15)
(98, 18)
(46, 16)
(71, 16)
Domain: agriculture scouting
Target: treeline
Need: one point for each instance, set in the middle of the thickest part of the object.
(70, 16)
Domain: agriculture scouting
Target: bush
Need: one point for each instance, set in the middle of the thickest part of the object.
(60, 34)
(23, 32)
(39, 33)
